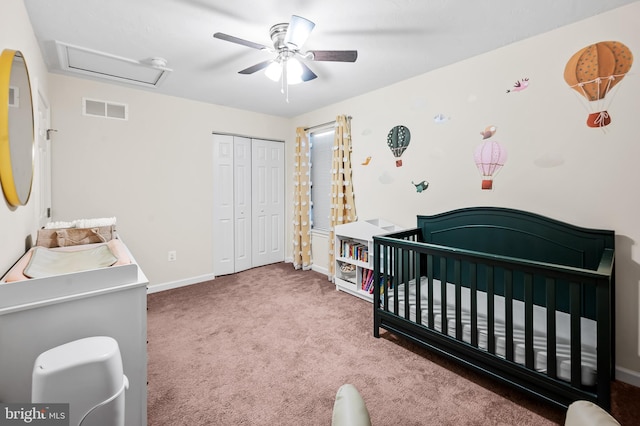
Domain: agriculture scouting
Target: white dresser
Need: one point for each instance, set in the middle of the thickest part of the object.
(39, 314)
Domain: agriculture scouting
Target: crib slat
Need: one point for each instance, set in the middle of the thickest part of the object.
(551, 327)
(396, 275)
(605, 338)
(458, 283)
(384, 268)
(491, 335)
(418, 275)
(576, 345)
(387, 275)
(528, 321)
(430, 290)
(473, 287)
(405, 281)
(444, 322)
(508, 310)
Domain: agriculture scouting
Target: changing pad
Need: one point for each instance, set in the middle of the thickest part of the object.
(45, 262)
(117, 247)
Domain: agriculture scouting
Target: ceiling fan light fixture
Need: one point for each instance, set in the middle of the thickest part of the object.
(298, 32)
(294, 71)
(274, 71)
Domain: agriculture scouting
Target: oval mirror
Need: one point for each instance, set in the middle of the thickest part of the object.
(16, 128)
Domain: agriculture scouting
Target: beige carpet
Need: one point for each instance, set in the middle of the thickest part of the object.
(271, 346)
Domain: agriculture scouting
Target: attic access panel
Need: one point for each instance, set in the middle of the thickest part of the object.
(97, 64)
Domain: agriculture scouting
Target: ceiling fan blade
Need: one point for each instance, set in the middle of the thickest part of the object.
(232, 39)
(298, 32)
(256, 67)
(334, 55)
(307, 74)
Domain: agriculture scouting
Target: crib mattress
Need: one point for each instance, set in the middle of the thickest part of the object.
(563, 346)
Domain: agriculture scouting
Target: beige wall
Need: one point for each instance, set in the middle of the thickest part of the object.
(18, 224)
(557, 166)
(153, 172)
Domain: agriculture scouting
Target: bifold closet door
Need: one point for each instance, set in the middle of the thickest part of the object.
(267, 201)
(232, 204)
(243, 210)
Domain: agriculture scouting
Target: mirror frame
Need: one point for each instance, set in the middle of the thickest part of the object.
(7, 175)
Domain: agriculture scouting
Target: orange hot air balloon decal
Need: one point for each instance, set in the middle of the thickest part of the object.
(593, 71)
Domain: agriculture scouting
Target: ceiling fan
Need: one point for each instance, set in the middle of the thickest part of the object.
(288, 39)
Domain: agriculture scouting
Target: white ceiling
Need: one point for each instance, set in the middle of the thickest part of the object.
(395, 40)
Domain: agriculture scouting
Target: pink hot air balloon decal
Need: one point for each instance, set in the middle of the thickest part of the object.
(489, 156)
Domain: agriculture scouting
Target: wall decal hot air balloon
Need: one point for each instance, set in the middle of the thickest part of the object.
(489, 156)
(398, 140)
(593, 71)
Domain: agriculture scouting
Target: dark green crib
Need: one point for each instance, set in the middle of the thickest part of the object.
(507, 272)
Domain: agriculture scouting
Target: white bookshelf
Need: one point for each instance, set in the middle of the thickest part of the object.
(354, 251)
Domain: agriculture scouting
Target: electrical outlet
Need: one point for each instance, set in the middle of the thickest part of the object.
(172, 256)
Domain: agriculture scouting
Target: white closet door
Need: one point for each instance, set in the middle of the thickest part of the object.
(248, 193)
(242, 203)
(223, 206)
(267, 202)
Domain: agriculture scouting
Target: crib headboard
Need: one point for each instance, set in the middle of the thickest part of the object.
(517, 233)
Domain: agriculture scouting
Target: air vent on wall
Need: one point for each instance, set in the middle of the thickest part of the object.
(105, 109)
(103, 65)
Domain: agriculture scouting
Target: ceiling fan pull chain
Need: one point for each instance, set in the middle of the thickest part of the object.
(285, 83)
(283, 75)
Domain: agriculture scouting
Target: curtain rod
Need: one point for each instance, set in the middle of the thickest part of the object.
(323, 125)
(306, 129)
(245, 136)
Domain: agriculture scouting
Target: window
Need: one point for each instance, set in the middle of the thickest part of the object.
(320, 157)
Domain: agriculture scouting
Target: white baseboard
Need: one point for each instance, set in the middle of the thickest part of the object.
(320, 269)
(182, 283)
(628, 376)
(195, 280)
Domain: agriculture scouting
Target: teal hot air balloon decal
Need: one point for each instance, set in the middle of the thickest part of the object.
(398, 140)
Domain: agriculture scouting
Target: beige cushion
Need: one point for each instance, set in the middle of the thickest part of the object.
(585, 413)
(349, 408)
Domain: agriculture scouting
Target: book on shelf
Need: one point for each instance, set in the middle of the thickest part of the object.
(367, 280)
(354, 250)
